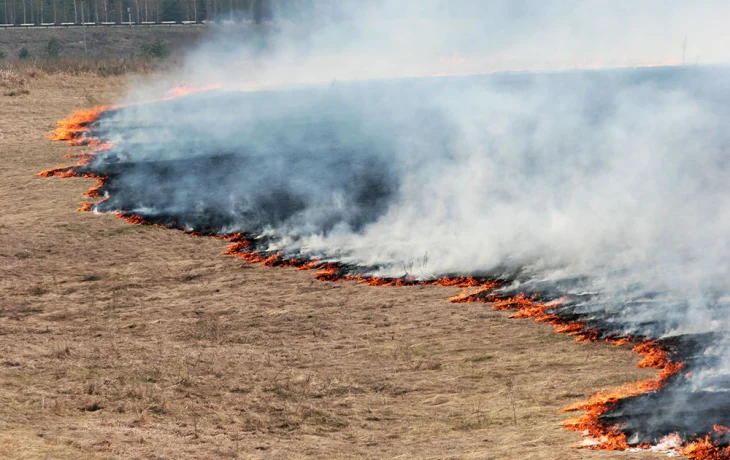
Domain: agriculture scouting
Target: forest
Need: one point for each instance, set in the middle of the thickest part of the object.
(148, 11)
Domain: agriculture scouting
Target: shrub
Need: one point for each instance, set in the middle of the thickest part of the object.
(53, 48)
(156, 49)
(24, 53)
(2, 54)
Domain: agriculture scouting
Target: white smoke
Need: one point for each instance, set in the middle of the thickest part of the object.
(348, 40)
(617, 179)
(613, 185)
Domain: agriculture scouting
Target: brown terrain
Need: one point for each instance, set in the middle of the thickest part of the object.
(122, 341)
(101, 42)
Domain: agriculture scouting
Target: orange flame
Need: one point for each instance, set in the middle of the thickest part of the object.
(654, 355)
(240, 247)
(186, 89)
(72, 127)
(705, 449)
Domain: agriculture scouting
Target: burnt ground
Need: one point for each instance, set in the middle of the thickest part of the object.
(120, 341)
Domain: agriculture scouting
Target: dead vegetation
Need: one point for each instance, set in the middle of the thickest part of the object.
(151, 344)
(17, 74)
(24, 53)
(12, 78)
(102, 43)
(84, 67)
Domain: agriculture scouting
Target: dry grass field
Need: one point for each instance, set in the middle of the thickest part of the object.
(120, 341)
(101, 42)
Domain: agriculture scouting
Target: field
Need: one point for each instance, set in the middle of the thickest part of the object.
(121, 341)
(101, 42)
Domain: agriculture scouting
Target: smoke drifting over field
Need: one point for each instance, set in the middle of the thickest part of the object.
(323, 40)
(607, 188)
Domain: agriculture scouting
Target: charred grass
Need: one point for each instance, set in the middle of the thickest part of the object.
(148, 343)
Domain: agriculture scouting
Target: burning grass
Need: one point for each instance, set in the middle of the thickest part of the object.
(187, 355)
(75, 130)
(75, 126)
(654, 355)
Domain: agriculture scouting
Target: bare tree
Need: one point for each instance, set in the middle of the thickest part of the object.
(83, 27)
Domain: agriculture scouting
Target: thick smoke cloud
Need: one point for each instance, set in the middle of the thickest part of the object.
(609, 187)
(352, 39)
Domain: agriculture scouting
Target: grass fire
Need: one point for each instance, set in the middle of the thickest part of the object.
(308, 178)
(345, 229)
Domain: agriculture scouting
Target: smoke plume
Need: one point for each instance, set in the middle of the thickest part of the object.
(368, 133)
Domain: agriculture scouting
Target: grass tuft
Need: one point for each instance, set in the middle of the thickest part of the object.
(18, 73)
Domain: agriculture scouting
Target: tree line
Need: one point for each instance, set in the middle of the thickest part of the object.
(137, 11)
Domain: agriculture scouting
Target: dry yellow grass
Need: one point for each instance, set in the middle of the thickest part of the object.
(101, 42)
(138, 342)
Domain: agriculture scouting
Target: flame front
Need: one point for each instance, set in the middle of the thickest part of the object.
(75, 125)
